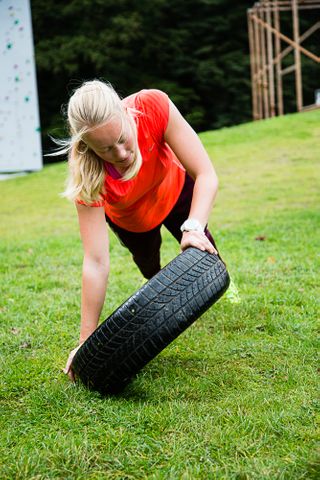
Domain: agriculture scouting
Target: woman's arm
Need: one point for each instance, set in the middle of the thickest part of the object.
(94, 236)
(188, 148)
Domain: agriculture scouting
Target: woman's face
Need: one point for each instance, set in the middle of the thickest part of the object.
(113, 143)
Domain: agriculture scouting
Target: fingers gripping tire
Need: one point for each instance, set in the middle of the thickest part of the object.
(150, 319)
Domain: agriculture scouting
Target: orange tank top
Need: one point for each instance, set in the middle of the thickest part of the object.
(142, 203)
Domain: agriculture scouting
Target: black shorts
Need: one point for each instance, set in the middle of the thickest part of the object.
(145, 246)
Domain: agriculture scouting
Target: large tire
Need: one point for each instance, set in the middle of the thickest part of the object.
(150, 319)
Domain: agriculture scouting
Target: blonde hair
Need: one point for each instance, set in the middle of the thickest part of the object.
(94, 103)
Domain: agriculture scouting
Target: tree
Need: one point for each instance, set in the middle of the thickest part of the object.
(194, 50)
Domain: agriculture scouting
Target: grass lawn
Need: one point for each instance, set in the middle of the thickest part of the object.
(234, 397)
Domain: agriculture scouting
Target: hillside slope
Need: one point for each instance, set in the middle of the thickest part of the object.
(236, 395)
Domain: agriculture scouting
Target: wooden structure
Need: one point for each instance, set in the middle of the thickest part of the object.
(266, 54)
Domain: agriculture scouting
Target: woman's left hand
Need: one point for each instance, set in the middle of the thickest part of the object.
(197, 240)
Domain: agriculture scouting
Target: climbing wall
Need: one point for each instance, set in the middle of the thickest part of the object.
(20, 141)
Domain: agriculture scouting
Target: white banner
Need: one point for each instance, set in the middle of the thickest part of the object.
(20, 141)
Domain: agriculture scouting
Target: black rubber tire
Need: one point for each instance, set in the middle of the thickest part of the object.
(150, 319)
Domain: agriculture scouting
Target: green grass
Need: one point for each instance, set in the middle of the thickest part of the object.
(234, 397)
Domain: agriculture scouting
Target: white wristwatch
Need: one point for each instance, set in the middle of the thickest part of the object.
(191, 225)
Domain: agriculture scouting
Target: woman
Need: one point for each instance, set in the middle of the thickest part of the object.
(137, 164)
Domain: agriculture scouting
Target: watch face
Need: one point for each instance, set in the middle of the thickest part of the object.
(191, 225)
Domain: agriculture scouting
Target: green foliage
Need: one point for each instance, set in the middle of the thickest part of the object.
(196, 51)
(236, 395)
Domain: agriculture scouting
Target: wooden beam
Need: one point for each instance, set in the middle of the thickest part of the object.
(287, 5)
(286, 39)
(253, 67)
(264, 77)
(290, 69)
(310, 107)
(303, 37)
(297, 55)
(276, 18)
(257, 27)
(271, 71)
(289, 49)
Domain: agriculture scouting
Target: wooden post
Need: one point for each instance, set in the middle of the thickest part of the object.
(276, 17)
(297, 54)
(270, 64)
(264, 78)
(258, 63)
(253, 66)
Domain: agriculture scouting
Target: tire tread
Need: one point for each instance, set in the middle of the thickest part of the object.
(150, 319)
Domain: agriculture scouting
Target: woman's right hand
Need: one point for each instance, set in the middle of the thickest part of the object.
(68, 368)
(197, 240)
(95, 270)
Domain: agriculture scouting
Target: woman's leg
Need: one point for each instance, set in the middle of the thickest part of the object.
(144, 247)
(180, 212)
